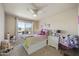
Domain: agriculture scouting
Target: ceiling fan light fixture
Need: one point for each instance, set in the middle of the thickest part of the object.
(34, 12)
(34, 15)
(31, 11)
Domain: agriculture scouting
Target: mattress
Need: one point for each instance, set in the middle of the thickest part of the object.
(31, 40)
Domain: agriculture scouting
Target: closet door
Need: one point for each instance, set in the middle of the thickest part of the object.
(53, 41)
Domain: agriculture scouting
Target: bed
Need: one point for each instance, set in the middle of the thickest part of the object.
(69, 42)
(36, 41)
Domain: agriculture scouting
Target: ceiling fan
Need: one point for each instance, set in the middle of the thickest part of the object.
(34, 10)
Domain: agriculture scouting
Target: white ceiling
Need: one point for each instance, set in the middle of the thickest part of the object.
(44, 9)
(40, 5)
(19, 9)
(53, 9)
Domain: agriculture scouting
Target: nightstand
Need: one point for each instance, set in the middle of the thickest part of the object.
(53, 41)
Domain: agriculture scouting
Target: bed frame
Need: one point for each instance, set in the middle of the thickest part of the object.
(35, 47)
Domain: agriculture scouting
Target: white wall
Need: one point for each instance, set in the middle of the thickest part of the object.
(10, 24)
(66, 20)
(1, 22)
(78, 19)
(78, 9)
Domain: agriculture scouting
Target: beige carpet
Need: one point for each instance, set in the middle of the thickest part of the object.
(20, 51)
(47, 51)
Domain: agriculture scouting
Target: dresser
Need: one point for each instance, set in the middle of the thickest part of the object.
(53, 41)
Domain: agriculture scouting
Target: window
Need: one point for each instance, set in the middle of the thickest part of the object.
(21, 26)
(24, 27)
(28, 25)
